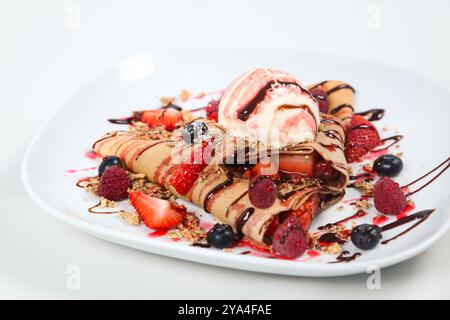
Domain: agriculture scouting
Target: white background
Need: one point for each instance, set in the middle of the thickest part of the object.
(45, 58)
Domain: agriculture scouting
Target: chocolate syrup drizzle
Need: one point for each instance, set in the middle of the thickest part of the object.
(421, 216)
(373, 114)
(216, 189)
(358, 214)
(243, 218)
(395, 139)
(91, 210)
(447, 161)
(331, 237)
(334, 89)
(245, 112)
(340, 107)
(344, 257)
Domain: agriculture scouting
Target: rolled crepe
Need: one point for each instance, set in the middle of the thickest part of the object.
(340, 97)
(217, 190)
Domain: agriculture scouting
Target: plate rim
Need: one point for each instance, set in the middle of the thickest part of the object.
(212, 257)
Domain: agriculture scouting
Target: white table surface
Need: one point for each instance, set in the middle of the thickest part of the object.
(45, 57)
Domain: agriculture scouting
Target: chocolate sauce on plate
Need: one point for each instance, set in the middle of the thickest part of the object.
(421, 216)
(344, 257)
(447, 161)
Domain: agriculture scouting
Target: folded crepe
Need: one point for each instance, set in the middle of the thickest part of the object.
(340, 97)
(220, 190)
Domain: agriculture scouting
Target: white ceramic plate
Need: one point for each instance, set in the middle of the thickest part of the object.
(138, 82)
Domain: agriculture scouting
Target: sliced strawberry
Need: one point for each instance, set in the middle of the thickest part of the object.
(362, 137)
(298, 163)
(167, 117)
(156, 213)
(307, 212)
(185, 176)
(187, 173)
(151, 117)
(170, 117)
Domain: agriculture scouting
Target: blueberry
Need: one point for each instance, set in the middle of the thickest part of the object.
(388, 165)
(194, 130)
(366, 236)
(221, 236)
(109, 161)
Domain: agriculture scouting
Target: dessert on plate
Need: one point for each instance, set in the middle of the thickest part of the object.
(264, 160)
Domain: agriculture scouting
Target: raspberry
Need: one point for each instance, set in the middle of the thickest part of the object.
(262, 192)
(388, 196)
(290, 239)
(114, 184)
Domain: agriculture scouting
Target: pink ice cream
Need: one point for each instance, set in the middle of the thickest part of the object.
(270, 106)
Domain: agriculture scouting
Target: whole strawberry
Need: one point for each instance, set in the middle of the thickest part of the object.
(388, 197)
(362, 137)
(114, 184)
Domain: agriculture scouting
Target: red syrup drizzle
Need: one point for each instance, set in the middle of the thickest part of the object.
(258, 251)
(158, 233)
(379, 219)
(202, 95)
(354, 200)
(358, 214)
(81, 170)
(404, 213)
(92, 155)
(312, 253)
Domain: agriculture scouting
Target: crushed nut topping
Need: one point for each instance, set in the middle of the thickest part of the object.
(165, 101)
(363, 204)
(365, 187)
(189, 229)
(132, 218)
(105, 203)
(184, 95)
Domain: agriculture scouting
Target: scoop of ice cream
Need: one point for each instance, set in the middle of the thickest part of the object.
(270, 106)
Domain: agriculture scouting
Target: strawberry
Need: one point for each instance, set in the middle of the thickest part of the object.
(307, 212)
(156, 213)
(151, 117)
(362, 137)
(185, 176)
(187, 173)
(212, 110)
(170, 117)
(167, 117)
(298, 163)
